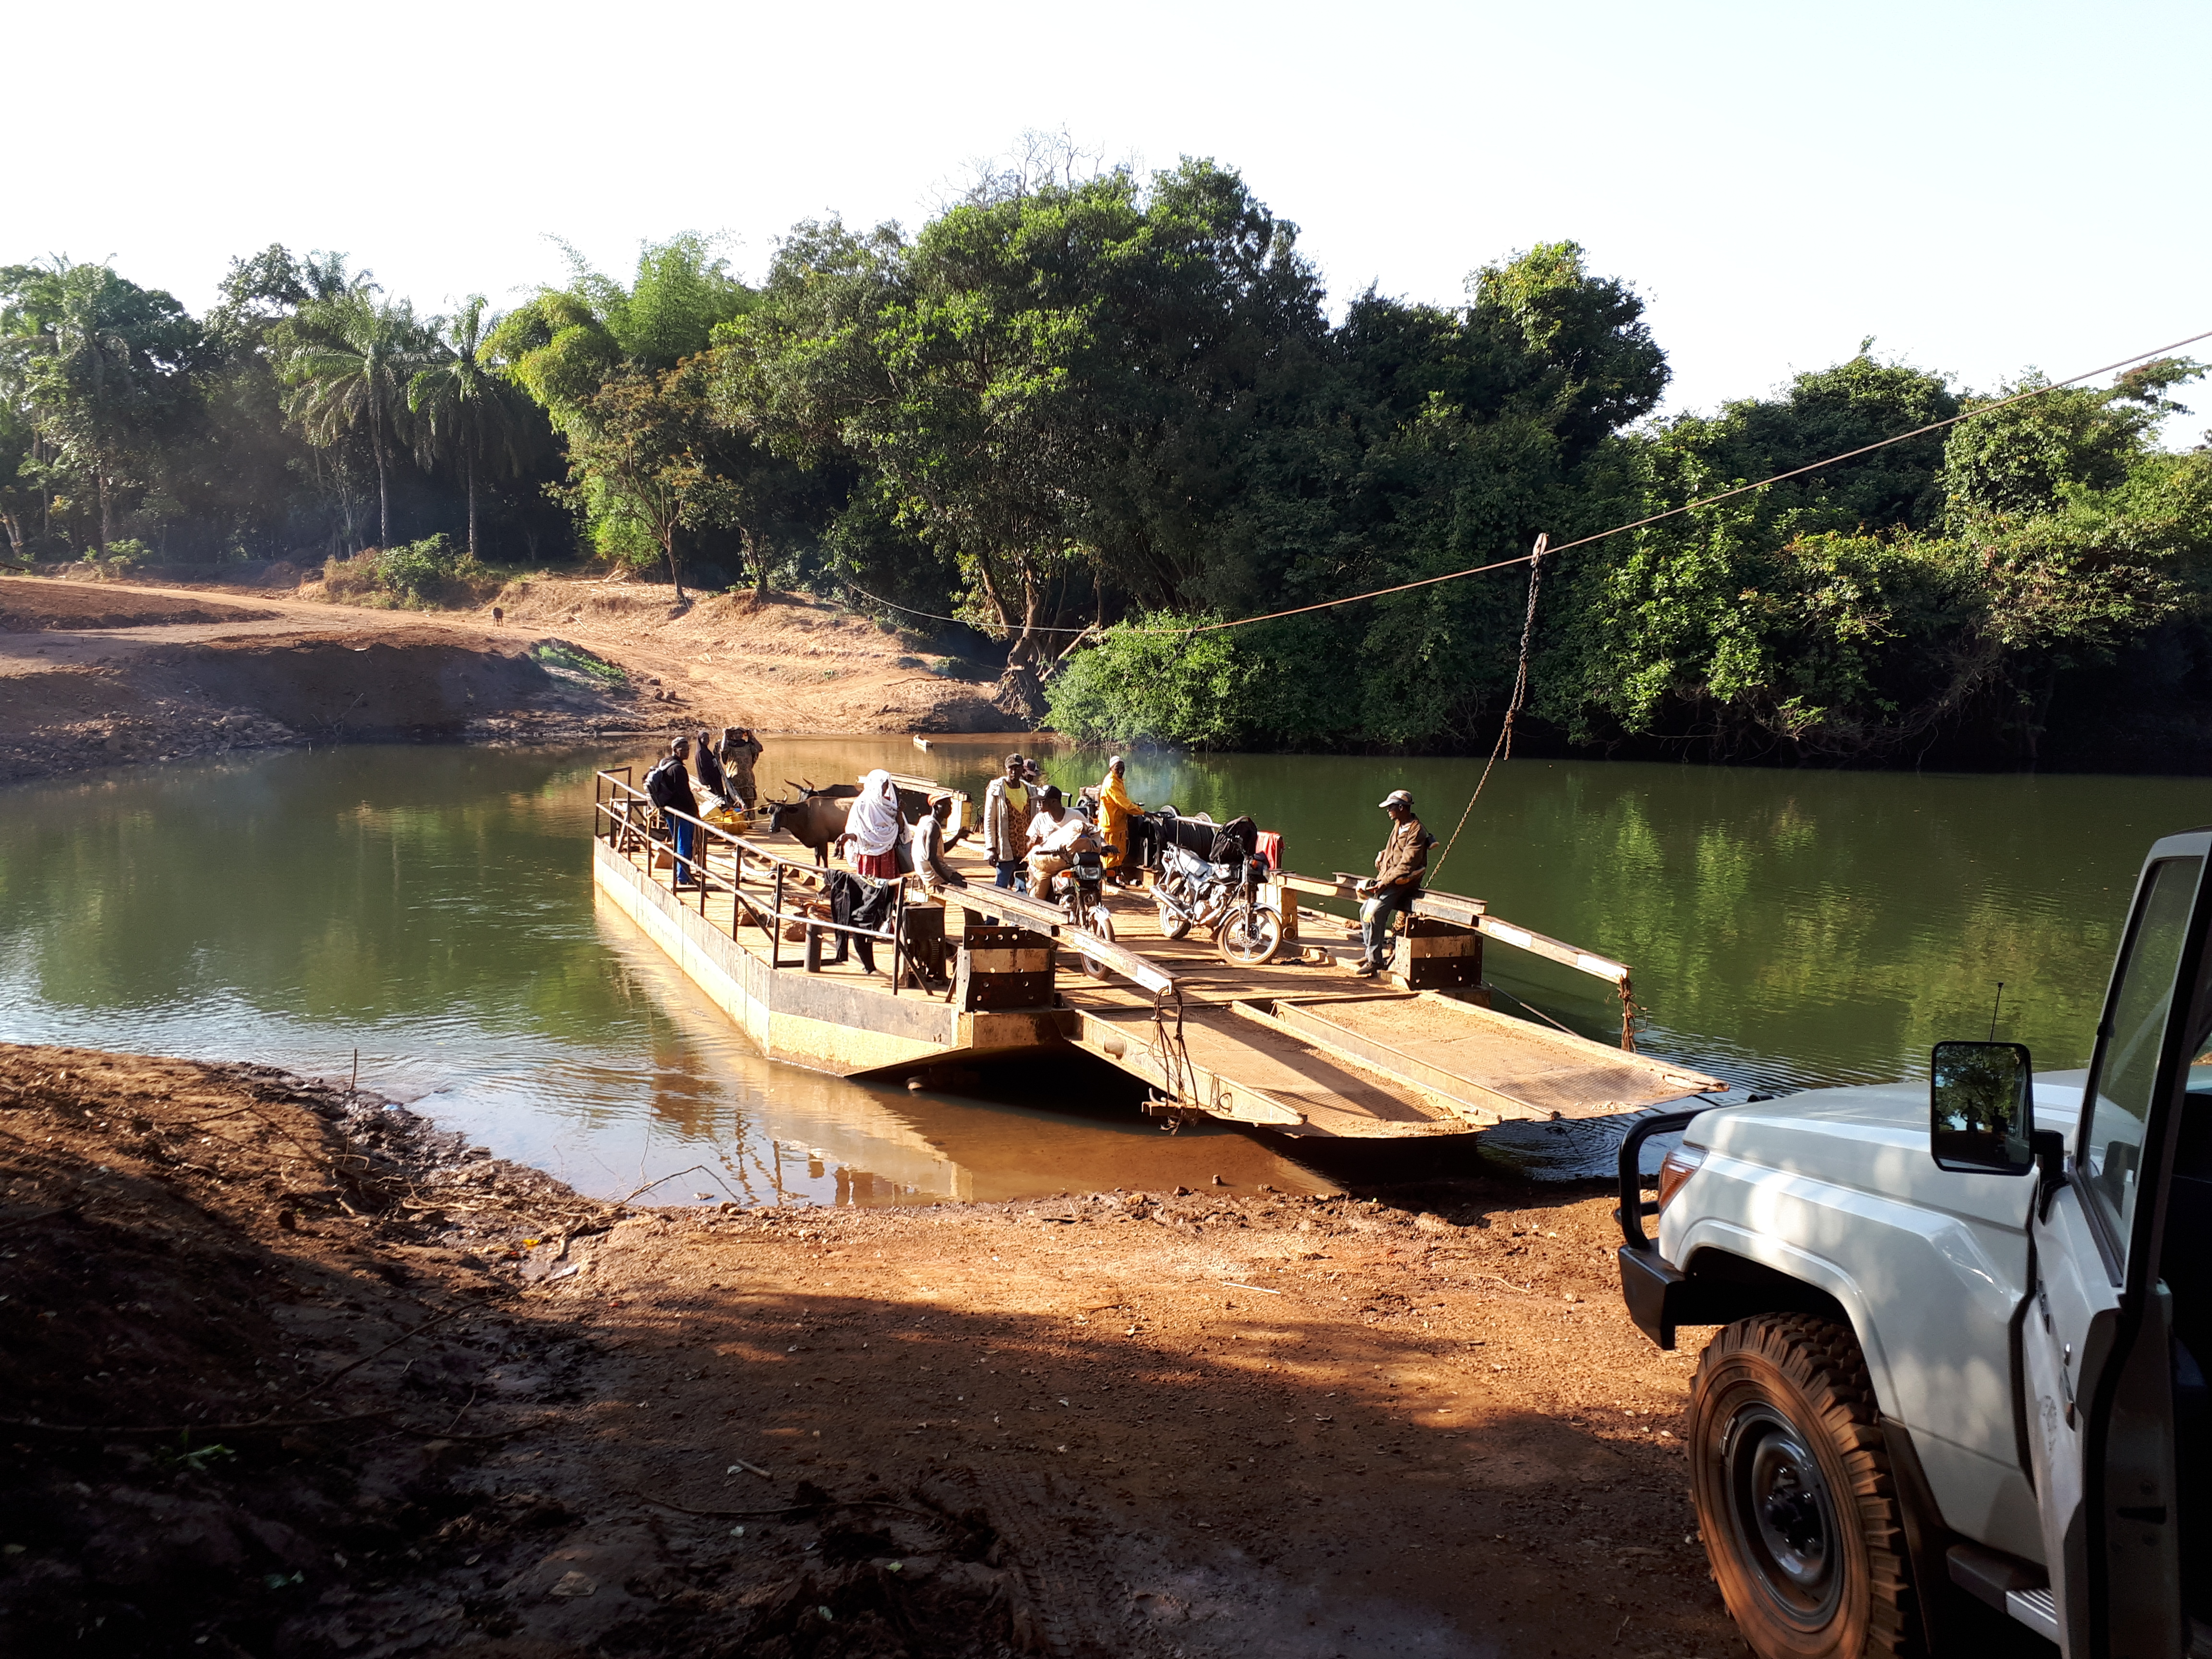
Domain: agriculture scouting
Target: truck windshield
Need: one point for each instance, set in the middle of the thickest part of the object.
(2127, 1067)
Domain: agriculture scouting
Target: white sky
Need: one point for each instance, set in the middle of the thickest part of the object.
(1981, 187)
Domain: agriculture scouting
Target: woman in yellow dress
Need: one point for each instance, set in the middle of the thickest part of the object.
(1115, 809)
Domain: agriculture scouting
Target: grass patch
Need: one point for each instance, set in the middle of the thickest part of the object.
(561, 657)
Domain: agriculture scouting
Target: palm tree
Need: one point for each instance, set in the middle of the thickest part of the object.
(466, 411)
(354, 377)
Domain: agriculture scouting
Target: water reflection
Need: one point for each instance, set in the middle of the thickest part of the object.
(433, 908)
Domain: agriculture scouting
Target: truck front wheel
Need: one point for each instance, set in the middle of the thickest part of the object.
(1800, 1515)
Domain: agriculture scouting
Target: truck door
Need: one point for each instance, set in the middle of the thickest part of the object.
(2097, 1349)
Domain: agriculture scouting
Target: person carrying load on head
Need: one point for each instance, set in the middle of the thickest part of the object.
(1398, 870)
(739, 750)
(1117, 812)
(1007, 825)
(873, 827)
(668, 787)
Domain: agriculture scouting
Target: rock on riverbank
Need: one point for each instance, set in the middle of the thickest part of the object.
(290, 1372)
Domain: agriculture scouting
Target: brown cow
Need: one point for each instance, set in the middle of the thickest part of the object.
(815, 822)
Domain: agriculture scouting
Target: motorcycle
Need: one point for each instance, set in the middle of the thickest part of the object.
(1196, 892)
(1078, 892)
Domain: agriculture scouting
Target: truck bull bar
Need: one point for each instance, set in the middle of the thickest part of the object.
(1657, 1291)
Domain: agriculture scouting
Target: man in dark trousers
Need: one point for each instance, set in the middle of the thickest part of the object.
(706, 770)
(668, 787)
(1398, 869)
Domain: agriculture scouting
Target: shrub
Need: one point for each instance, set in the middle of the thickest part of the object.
(1191, 689)
(125, 555)
(413, 576)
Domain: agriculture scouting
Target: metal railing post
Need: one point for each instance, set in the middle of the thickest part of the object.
(898, 931)
(775, 922)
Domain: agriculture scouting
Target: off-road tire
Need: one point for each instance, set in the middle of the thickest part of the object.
(1171, 925)
(1809, 1571)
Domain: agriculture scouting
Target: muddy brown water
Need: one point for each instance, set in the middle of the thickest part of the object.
(433, 908)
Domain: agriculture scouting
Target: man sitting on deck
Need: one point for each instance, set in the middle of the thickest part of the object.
(1397, 882)
(668, 787)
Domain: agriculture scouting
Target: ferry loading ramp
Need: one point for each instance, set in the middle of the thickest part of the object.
(1295, 1046)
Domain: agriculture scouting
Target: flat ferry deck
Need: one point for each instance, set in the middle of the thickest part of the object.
(1297, 1046)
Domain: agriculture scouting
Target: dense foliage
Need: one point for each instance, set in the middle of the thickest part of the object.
(1079, 412)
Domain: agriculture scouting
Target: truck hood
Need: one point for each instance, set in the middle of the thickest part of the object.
(1874, 1137)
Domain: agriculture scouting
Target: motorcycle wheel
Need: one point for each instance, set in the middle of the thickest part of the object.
(1173, 925)
(1102, 926)
(1249, 937)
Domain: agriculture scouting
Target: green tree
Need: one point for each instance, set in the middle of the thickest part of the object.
(18, 491)
(355, 377)
(1946, 585)
(465, 412)
(2024, 459)
(608, 364)
(1036, 380)
(102, 362)
(637, 459)
(1411, 441)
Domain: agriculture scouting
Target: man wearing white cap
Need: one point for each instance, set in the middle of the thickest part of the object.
(1398, 869)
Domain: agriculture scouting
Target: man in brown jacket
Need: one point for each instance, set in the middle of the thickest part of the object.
(1398, 869)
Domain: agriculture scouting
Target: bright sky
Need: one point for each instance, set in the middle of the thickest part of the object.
(1981, 187)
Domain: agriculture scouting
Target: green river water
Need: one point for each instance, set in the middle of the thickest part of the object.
(433, 908)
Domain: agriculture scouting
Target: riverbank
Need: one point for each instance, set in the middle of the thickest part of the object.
(94, 674)
(310, 1377)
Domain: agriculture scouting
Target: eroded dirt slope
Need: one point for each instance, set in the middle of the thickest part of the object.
(309, 1378)
(96, 673)
(33, 606)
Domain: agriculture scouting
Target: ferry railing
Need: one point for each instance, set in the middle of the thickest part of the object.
(1474, 913)
(623, 816)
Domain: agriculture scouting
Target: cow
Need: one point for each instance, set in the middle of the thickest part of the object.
(816, 821)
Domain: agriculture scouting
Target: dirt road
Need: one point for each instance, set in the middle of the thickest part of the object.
(92, 674)
(349, 1389)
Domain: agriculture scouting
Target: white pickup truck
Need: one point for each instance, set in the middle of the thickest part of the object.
(1966, 1328)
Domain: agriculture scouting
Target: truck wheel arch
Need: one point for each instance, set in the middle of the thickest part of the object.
(1722, 1287)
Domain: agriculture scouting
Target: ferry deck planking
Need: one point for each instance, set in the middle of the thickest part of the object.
(1297, 1046)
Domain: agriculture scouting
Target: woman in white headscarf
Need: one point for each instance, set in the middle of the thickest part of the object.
(872, 826)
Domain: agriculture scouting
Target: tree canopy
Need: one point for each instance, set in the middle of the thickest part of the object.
(1082, 408)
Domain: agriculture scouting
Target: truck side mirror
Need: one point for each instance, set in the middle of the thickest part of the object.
(1982, 1113)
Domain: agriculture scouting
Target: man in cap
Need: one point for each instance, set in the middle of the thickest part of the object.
(668, 787)
(1006, 824)
(1397, 881)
